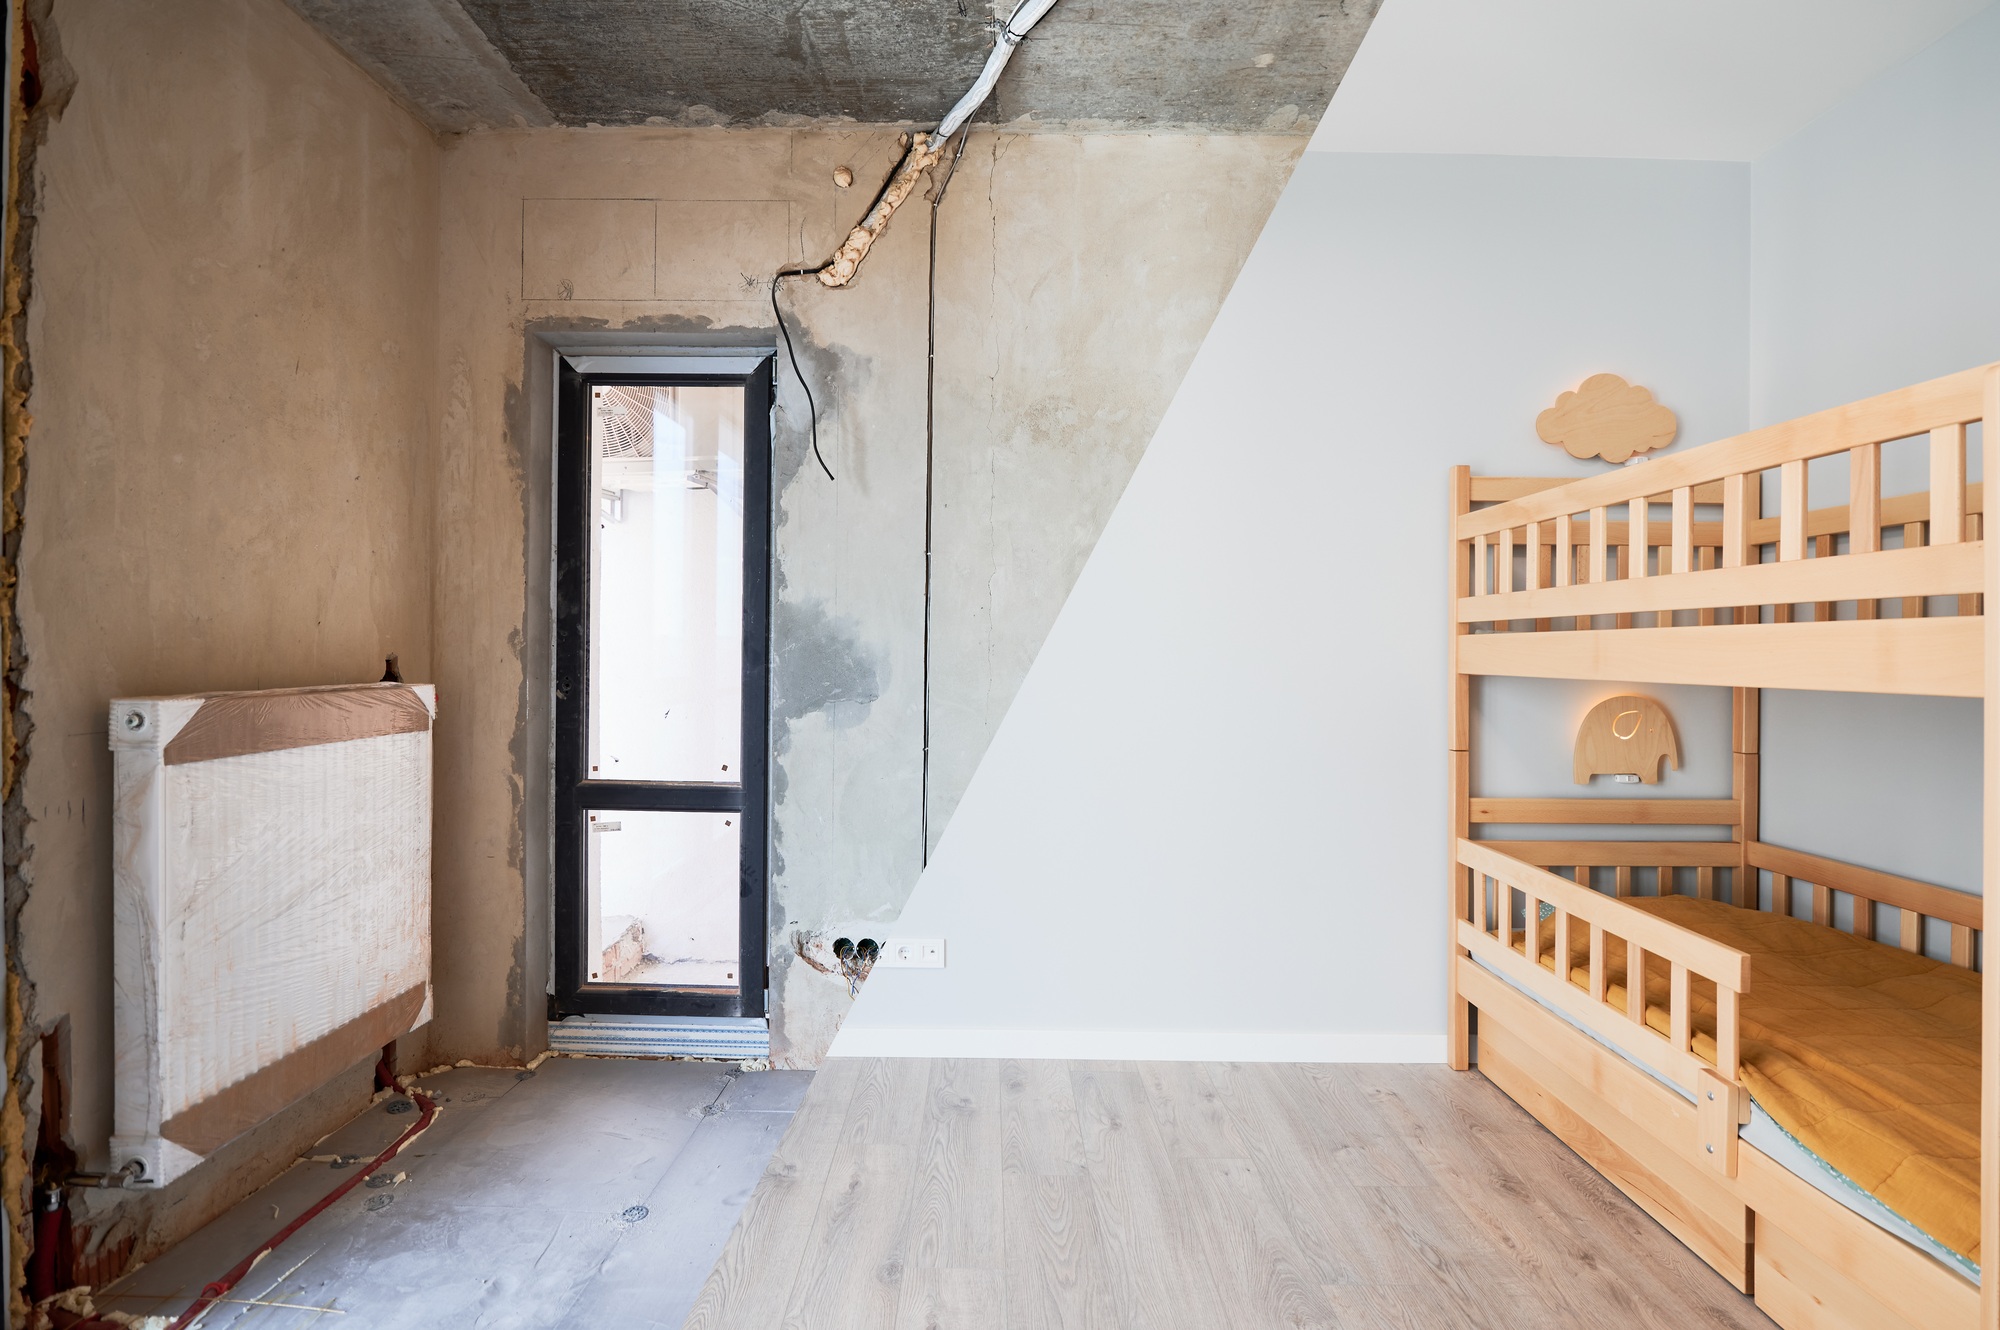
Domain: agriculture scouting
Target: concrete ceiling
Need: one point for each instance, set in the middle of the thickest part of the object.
(1214, 65)
(1712, 80)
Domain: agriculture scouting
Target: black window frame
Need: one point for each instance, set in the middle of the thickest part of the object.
(576, 794)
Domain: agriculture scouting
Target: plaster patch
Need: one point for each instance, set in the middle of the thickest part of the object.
(822, 665)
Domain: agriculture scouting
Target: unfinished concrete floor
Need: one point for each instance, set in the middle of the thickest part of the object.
(588, 1193)
(974, 1195)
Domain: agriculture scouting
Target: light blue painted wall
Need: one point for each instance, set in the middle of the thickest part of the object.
(1875, 261)
(1876, 234)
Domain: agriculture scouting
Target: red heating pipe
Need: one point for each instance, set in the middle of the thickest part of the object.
(219, 1289)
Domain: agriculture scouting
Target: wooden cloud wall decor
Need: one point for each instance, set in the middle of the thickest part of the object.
(1625, 736)
(1609, 418)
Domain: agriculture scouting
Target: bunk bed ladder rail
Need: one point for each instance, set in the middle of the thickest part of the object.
(1486, 929)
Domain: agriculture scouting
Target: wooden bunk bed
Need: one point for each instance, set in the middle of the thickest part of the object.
(1661, 1084)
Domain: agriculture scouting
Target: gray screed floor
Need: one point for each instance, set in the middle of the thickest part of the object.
(594, 1192)
(933, 1195)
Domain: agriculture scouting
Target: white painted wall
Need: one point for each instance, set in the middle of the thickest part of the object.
(1211, 825)
(1875, 261)
(1875, 264)
(1696, 80)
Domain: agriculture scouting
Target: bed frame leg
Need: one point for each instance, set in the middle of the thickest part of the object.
(1458, 1012)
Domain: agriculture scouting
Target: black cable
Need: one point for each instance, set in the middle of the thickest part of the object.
(930, 453)
(812, 407)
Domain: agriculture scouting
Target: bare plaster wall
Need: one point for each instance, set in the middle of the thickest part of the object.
(231, 333)
(1076, 277)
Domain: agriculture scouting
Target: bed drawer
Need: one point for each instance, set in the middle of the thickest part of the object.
(1820, 1265)
(1692, 1202)
(1800, 1291)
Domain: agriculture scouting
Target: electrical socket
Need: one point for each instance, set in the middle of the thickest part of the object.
(912, 953)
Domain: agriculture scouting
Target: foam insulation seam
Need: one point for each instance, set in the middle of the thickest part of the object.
(42, 65)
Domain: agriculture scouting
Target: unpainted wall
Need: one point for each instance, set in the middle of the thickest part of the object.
(231, 335)
(1075, 276)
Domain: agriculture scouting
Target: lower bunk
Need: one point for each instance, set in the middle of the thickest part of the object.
(1699, 1093)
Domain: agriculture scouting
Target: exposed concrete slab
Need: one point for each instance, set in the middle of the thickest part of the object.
(586, 1192)
(431, 56)
(1244, 66)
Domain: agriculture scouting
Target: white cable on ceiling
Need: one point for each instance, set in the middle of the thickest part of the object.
(922, 151)
(1025, 16)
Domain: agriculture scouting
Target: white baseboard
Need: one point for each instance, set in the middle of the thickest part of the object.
(1138, 1045)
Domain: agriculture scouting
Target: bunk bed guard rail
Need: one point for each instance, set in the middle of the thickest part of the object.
(1697, 600)
(1589, 924)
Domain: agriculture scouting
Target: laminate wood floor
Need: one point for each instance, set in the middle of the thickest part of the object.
(917, 1194)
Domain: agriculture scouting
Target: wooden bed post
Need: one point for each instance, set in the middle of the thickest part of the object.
(1458, 742)
(1989, 1038)
(1744, 732)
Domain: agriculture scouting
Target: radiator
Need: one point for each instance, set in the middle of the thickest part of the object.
(271, 904)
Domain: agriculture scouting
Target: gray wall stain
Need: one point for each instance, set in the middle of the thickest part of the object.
(821, 665)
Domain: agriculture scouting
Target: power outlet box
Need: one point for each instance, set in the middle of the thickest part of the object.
(912, 953)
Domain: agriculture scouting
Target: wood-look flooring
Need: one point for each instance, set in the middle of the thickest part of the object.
(959, 1195)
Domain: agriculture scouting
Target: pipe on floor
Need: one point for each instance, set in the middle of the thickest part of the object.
(219, 1288)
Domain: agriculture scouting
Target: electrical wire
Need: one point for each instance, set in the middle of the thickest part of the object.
(812, 407)
(930, 492)
(1009, 35)
(219, 1289)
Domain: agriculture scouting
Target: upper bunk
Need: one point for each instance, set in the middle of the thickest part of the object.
(1582, 580)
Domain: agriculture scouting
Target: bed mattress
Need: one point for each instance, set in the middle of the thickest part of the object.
(1862, 1063)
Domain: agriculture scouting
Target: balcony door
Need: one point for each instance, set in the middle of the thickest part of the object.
(662, 592)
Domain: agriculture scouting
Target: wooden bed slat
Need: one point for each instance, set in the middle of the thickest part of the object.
(1791, 512)
(1905, 893)
(1928, 657)
(1864, 505)
(1683, 544)
(1615, 812)
(1728, 1027)
(1938, 570)
(1834, 519)
(1735, 521)
(1638, 535)
(1626, 854)
(1914, 607)
(1948, 484)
